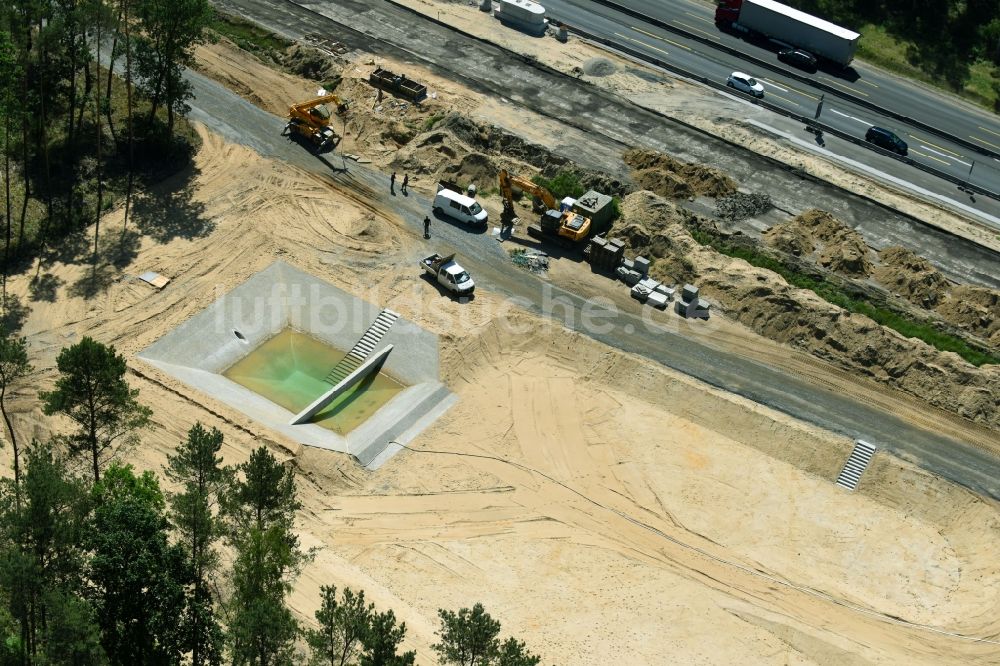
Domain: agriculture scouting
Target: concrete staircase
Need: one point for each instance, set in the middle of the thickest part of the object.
(856, 465)
(363, 347)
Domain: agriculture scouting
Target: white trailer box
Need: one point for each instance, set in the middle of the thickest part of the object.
(786, 24)
(524, 14)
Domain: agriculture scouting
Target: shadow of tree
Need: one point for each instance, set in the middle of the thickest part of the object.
(170, 211)
(120, 250)
(70, 248)
(93, 283)
(44, 287)
(13, 313)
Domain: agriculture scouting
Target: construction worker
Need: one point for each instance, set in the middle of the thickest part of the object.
(392, 183)
(427, 226)
(406, 181)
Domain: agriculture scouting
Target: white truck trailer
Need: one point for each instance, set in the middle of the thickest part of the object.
(774, 20)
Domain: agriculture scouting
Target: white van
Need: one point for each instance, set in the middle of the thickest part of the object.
(459, 207)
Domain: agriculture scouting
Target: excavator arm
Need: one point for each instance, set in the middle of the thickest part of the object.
(311, 119)
(508, 182)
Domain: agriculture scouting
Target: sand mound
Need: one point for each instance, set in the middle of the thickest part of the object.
(673, 178)
(763, 301)
(311, 63)
(474, 168)
(599, 67)
(838, 247)
(911, 276)
(976, 309)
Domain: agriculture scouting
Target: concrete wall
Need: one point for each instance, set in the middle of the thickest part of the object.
(282, 296)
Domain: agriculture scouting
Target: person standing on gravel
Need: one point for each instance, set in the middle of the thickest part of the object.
(406, 181)
(427, 226)
(392, 183)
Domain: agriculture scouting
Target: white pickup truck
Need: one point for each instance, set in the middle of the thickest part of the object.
(449, 274)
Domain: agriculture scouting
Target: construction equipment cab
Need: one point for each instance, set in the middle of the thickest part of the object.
(311, 120)
(459, 207)
(567, 224)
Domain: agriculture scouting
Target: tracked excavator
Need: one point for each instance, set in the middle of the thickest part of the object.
(565, 227)
(311, 120)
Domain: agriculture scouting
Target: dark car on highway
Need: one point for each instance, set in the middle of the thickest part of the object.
(798, 58)
(883, 138)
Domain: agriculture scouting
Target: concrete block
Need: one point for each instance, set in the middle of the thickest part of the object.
(689, 293)
(629, 264)
(640, 293)
(649, 283)
(632, 278)
(622, 273)
(642, 265)
(657, 300)
(665, 290)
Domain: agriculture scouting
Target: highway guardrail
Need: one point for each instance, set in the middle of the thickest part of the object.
(795, 75)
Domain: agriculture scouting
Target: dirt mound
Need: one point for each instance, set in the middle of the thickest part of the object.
(673, 178)
(490, 139)
(976, 309)
(474, 168)
(838, 247)
(599, 67)
(311, 63)
(911, 276)
(763, 301)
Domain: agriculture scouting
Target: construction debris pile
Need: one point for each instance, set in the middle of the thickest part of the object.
(742, 206)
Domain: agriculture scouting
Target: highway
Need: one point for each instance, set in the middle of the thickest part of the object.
(802, 97)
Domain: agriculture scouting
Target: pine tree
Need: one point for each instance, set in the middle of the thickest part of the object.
(92, 391)
(260, 508)
(198, 468)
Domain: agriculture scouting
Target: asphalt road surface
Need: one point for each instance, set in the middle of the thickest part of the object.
(800, 97)
(598, 126)
(240, 121)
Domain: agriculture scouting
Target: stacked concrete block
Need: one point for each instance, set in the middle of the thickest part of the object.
(640, 293)
(641, 264)
(690, 306)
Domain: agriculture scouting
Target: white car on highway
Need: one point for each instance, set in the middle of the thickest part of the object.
(745, 83)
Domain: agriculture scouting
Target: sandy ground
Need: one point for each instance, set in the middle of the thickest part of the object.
(604, 510)
(710, 111)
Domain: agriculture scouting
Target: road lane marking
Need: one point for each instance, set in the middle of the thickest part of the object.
(774, 85)
(921, 140)
(976, 138)
(662, 39)
(802, 92)
(648, 46)
(943, 155)
(700, 18)
(769, 95)
(988, 130)
(930, 157)
(847, 88)
(863, 122)
(868, 83)
(691, 27)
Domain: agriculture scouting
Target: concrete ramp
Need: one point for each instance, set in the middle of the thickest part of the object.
(371, 365)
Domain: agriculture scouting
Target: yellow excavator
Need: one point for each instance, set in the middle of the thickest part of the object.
(554, 224)
(311, 120)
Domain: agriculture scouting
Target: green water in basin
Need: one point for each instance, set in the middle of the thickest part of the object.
(289, 370)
